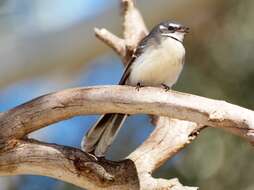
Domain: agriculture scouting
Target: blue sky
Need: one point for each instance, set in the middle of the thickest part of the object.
(55, 14)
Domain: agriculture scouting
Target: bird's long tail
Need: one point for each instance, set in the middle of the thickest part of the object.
(102, 134)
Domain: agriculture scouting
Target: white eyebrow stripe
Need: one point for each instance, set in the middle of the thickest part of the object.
(174, 25)
(162, 27)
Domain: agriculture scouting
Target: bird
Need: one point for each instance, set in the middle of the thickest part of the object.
(157, 61)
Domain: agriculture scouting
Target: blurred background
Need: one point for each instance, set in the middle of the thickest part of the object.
(49, 45)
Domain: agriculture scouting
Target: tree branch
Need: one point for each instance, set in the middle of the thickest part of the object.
(134, 30)
(116, 43)
(134, 26)
(19, 156)
(170, 136)
(48, 109)
(67, 164)
(76, 167)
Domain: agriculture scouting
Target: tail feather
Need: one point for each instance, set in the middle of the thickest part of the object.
(92, 137)
(109, 134)
(102, 134)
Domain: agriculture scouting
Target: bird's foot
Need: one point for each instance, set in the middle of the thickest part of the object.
(91, 154)
(166, 87)
(138, 86)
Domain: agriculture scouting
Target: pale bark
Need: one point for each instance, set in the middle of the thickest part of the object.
(40, 112)
(76, 167)
(26, 156)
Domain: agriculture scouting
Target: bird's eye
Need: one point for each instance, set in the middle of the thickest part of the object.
(171, 28)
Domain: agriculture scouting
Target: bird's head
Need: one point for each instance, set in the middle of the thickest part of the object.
(173, 30)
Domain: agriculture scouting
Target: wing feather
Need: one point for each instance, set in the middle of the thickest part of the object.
(140, 49)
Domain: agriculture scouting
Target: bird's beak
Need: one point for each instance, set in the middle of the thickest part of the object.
(184, 29)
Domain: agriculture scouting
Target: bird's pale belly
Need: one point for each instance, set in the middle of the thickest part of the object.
(155, 71)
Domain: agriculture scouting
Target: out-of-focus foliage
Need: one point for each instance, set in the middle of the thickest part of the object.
(220, 64)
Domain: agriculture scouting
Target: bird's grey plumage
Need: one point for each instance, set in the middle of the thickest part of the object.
(157, 60)
(102, 134)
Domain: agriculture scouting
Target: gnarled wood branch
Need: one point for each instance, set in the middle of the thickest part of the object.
(76, 167)
(164, 142)
(40, 112)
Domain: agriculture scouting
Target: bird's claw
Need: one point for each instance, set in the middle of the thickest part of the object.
(166, 87)
(138, 86)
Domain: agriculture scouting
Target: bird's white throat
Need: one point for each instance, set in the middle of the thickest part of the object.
(176, 35)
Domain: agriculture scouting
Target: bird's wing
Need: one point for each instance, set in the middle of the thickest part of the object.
(127, 71)
(140, 49)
